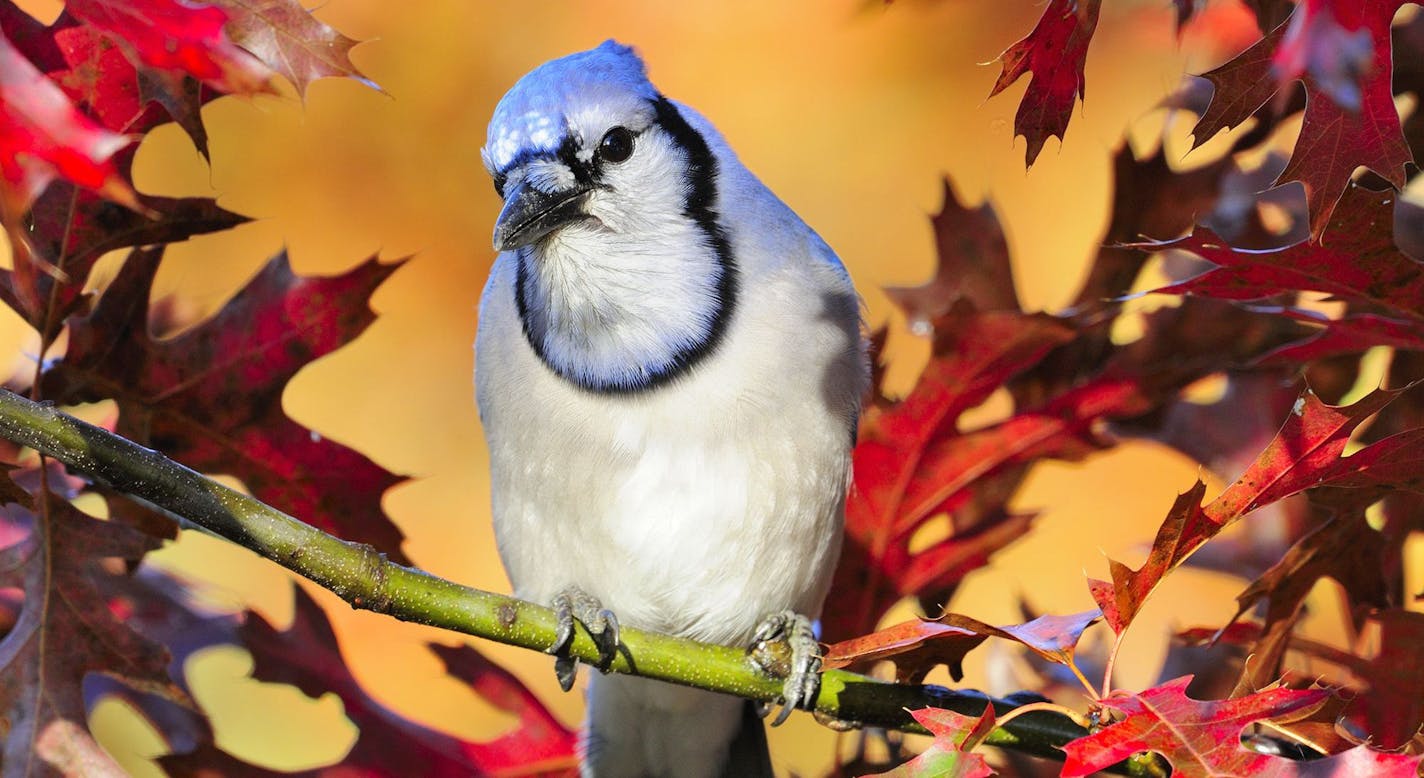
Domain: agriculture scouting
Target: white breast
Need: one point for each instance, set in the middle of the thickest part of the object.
(696, 508)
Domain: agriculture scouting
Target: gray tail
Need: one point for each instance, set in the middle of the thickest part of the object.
(748, 756)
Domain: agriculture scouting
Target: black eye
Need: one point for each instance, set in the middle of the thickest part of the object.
(616, 146)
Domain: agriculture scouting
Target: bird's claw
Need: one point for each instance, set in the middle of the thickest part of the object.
(784, 644)
(574, 604)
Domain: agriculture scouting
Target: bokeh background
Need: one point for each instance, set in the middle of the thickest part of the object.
(852, 111)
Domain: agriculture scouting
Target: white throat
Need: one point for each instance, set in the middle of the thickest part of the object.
(612, 313)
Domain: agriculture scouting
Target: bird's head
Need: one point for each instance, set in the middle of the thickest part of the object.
(625, 275)
(579, 141)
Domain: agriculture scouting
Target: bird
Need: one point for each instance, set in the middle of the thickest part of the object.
(669, 365)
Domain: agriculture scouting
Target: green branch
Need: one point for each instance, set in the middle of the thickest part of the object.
(366, 579)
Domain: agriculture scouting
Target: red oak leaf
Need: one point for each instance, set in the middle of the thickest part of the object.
(1345, 549)
(955, 735)
(306, 655)
(1347, 335)
(1198, 738)
(1392, 711)
(1358, 762)
(1304, 454)
(67, 628)
(1335, 139)
(43, 137)
(974, 265)
(1359, 127)
(124, 96)
(538, 744)
(212, 396)
(178, 36)
(918, 646)
(1054, 52)
(1386, 706)
(1240, 87)
(1359, 261)
(72, 229)
(1184, 531)
(1328, 38)
(973, 355)
(290, 40)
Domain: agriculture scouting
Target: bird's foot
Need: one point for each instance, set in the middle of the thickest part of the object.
(785, 645)
(574, 604)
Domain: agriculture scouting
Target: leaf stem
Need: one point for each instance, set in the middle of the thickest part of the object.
(363, 577)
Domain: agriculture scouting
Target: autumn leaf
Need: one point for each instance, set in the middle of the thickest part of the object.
(1185, 530)
(1345, 549)
(1358, 762)
(1382, 700)
(211, 397)
(1054, 52)
(177, 36)
(1346, 125)
(122, 95)
(949, 756)
(1391, 712)
(1304, 454)
(974, 265)
(1198, 738)
(1359, 261)
(43, 137)
(1350, 334)
(539, 743)
(973, 355)
(290, 40)
(67, 629)
(73, 229)
(306, 655)
(918, 646)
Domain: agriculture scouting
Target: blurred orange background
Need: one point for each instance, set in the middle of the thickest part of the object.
(851, 111)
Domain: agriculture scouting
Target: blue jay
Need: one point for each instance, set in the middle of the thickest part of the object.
(669, 369)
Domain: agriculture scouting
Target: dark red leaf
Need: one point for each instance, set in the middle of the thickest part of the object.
(72, 229)
(1336, 139)
(212, 396)
(1239, 88)
(1346, 549)
(1329, 39)
(539, 743)
(1198, 738)
(66, 629)
(973, 265)
(1347, 335)
(1360, 762)
(1360, 261)
(1359, 127)
(1392, 711)
(124, 96)
(1054, 52)
(973, 355)
(1304, 454)
(306, 655)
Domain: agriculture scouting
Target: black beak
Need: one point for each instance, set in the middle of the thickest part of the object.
(530, 214)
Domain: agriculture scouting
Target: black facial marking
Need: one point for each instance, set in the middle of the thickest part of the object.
(700, 207)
